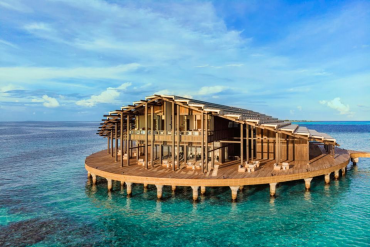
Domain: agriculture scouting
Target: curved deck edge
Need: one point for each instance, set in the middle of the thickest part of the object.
(215, 182)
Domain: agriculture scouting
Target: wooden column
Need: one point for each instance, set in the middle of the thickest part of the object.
(115, 136)
(108, 144)
(247, 129)
(202, 146)
(173, 135)
(241, 144)
(276, 148)
(128, 141)
(160, 153)
(122, 139)
(185, 147)
(178, 135)
(213, 155)
(252, 143)
(152, 136)
(206, 141)
(111, 140)
(146, 136)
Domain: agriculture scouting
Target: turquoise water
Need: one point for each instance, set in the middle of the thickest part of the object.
(47, 200)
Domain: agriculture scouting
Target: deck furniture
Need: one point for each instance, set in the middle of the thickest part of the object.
(285, 166)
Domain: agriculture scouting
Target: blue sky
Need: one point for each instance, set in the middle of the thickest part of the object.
(79, 59)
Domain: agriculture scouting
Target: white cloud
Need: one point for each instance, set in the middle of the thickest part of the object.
(211, 90)
(337, 104)
(299, 108)
(291, 112)
(108, 96)
(38, 26)
(47, 101)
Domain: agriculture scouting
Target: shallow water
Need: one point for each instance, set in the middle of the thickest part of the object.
(47, 200)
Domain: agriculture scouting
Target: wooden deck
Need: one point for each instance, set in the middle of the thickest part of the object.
(103, 165)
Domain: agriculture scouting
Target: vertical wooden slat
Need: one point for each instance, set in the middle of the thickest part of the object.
(247, 127)
(146, 136)
(206, 141)
(173, 135)
(108, 138)
(202, 146)
(241, 144)
(252, 142)
(152, 136)
(128, 140)
(116, 147)
(111, 140)
(178, 135)
(121, 130)
(276, 148)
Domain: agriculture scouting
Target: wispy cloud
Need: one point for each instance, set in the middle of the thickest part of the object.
(47, 101)
(110, 95)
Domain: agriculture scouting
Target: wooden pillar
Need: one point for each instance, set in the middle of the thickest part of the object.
(213, 155)
(178, 135)
(307, 182)
(202, 146)
(195, 192)
(234, 192)
(116, 147)
(203, 190)
(159, 190)
(128, 141)
(160, 153)
(152, 136)
(108, 144)
(272, 189)
(122, 139)
(109, 185)
(146, 136)
(327, 178)
(128, 188)
(247, 127)
(173, 135)
(252, 143)
(111, 140)
(206, 141)
(336, 174)
(276, 148)
(185, 147)
(241, 144)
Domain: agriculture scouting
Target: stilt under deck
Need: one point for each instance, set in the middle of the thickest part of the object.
(103, 165)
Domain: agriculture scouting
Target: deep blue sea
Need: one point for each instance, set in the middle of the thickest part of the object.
(47, 200)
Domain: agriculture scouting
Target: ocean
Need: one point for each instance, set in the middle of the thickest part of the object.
(47, 200)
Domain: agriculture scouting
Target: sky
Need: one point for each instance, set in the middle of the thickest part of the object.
(76, 60)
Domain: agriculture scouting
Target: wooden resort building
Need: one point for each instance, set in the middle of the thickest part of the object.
(168, 140)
